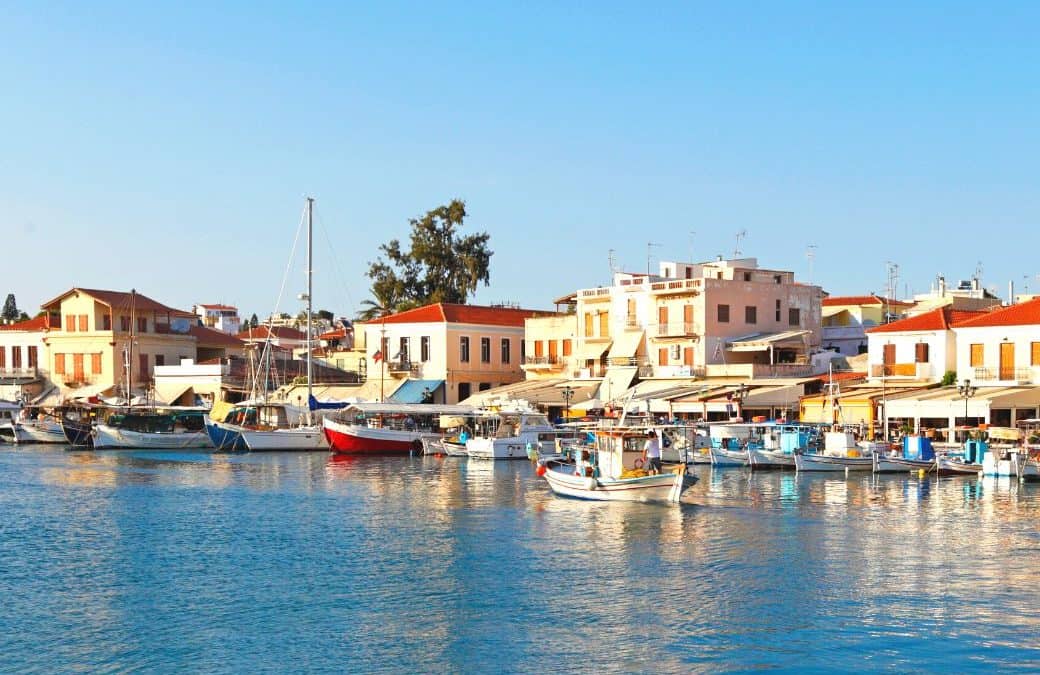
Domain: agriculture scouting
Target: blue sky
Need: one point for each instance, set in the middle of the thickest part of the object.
(170, 148)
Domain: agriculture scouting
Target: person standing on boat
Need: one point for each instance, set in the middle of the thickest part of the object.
(652, 453)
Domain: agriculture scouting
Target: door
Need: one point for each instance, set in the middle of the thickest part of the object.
(687, 318)
(888, 358)
(1007, 360)
(662, 321)
(688, 357)
(77, 368)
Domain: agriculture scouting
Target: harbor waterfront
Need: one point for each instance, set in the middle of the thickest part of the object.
(120, 561)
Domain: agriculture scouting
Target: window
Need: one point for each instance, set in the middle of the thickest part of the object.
(124, 324)
(554, 351)
(464, 389)
(142, 367)
(505, 350)
(483, 386)
(975, 355)
(888, 355)
(794, 316)
(688, 356)
(32, 357)
(3, 357)
(402, 350)
(16, 357)
(588, 324)
(77, 367)
(485, 350)
(95, 363)
(778, 311)
(921, 352)
(751, 315)
(567, 348)
(70, 323)
(747, 276)
(539, 349)
(723, 313)
(675, 352)
(464, 352)
(160, 359)
(142, 324)
(777, 278)
(83, 323)
(604, 324)
(424, 348)
(523, 350)
(1034, 351)
(662, 357)
(106, 322)
(59, 364)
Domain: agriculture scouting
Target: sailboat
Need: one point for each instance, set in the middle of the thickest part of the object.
(273, 425)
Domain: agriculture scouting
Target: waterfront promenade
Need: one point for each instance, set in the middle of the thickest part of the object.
(282, 562)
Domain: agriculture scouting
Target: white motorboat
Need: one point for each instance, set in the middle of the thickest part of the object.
(509, 434)
(840, 453)
(611, 471)
(40, 429)
(917, 455)
(728, 456)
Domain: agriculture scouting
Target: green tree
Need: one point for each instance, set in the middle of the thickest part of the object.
(441, 265)
(254, 321)
(326, 315)
(10, 312)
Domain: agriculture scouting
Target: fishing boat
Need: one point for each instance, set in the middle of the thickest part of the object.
(377, 428)
(840, 453)
(729, 444)
(77, 423)
(170, 429)
(780, 444)
(8, 414)
(457, 430)
(1004, 452)
(917, 455)
(510, 434)
(35, 425)
(966, 463)
(1029, 464)
(612, 471)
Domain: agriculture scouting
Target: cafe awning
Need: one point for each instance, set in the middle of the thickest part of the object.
(760, 342)
(626, 345)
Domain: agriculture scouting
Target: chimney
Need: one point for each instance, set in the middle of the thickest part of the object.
(1011, 292)
(942, 286)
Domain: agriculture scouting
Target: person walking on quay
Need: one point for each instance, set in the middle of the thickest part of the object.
(652, 453)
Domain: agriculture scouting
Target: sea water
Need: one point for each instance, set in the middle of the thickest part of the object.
(125, 561)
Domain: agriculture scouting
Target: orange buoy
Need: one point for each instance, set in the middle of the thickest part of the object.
(540, 470)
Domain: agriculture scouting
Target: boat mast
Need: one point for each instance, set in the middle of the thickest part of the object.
(130, 347)
(310, 269)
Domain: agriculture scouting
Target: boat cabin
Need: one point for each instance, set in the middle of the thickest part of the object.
(617, 451)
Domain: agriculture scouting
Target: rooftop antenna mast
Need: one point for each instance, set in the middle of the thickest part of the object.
(649, 245)
(810, 253)
(891, 286)
(692, 234)
(740, 237)
(612, 263)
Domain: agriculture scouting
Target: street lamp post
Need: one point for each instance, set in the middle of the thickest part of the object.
(568, 394)
(966, 390)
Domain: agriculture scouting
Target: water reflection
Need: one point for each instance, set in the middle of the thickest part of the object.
(121, 561)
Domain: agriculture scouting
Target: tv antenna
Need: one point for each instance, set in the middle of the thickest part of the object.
(736, 249)
(612, 263)
(810, 253)
(649, 246)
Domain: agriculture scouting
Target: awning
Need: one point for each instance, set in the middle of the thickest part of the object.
(763, 341)
(171, 392)
(592, 351)
(616, 382)
(416, 391)
(827, 312)
(89, 391)
(626, 345)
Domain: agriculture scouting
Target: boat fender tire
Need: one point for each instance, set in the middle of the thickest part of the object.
(638, 463)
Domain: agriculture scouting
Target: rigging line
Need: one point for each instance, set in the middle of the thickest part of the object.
(335, 257)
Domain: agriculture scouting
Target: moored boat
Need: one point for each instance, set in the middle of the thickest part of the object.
(36, 426)
(611, 471)
(147, 430)
(917, 455)
(378, 428)
(840, 453)
(510, 434)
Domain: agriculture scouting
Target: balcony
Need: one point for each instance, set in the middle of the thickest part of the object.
(18, 375)
(595, 294)
(912, 371)
(1003, 375)
(542, 363)
(674, 329)
(403, 367)
(676, 287)
(759, 370)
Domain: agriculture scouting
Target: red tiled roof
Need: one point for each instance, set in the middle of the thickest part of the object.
(1022, 314)
(219, 307)
(841, 300)
(443, 312)
(121, 300)
(842, 376)
(214, 338)
(36, 323)
(333, 334)
(941, 318)
(261, 332)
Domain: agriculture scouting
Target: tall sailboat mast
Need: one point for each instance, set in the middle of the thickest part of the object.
(310, 269)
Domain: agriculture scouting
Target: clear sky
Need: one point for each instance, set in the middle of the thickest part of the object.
(170, 148)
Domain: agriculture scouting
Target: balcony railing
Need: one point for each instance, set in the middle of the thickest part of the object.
(403, 366)
(1003, 374)
(543, 361)
(18, 373)
(689, 286)
(675, 329)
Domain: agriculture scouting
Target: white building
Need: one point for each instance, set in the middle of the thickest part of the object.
(219, 317)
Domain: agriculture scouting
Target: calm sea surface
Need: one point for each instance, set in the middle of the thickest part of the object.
(113, 562)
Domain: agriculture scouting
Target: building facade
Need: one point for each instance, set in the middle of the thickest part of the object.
(223, 318)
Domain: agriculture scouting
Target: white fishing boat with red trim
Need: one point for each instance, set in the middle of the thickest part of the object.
(381, 428)
(612, 471)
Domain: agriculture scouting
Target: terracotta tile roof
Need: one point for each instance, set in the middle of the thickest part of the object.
(120, 300)
(1021, 314)
(842, 300)
(842, 376)
(219, 307)
(36, 323)
(442, 312)
(261, 332)
(215, 338)
(941, 318)
(334, 334)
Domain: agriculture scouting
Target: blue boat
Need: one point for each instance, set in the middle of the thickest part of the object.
(225, 437)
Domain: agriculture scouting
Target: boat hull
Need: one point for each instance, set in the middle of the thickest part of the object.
(883, 464)
(113, 438)
(723, 457)
(78, 434)
(40, 431)
(665, 487)
(354, 439)
(952, 467)
(1029, 470)
(225, 437)
(770, 459)
(297, 438)
(496, 448)
(810, 462)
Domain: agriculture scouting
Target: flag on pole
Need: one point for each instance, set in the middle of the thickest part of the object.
(378, 356)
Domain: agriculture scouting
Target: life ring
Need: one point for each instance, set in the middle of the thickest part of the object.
(638, 463)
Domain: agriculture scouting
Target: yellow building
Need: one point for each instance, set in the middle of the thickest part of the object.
(96, 338)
